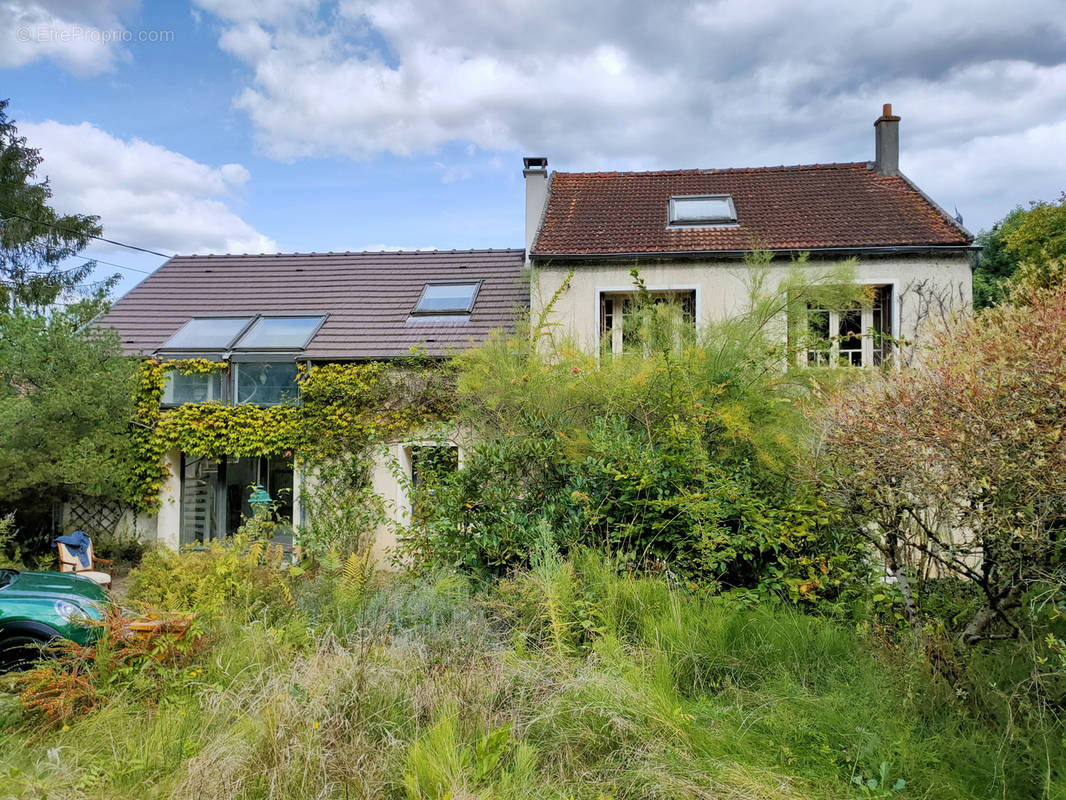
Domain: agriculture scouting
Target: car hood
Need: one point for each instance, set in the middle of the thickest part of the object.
(54, 585)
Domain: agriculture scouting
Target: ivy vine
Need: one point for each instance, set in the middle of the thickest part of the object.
(343, 408)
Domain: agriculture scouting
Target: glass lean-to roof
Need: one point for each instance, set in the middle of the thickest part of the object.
(447, 298)
(710, 209)
(216, 334)
(279, 333)
(207, 333)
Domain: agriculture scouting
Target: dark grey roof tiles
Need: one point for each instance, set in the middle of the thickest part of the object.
(368, 297)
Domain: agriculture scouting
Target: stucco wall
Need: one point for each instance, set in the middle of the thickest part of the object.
(391, 476)
(925, 288)
(168, 519)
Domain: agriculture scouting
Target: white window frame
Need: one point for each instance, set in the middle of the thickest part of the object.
(616, 336)
(866, 342)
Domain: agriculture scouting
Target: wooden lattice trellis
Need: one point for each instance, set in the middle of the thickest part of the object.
(93, 516)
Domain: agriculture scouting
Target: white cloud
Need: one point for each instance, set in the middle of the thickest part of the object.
(85, 38)
(145, 194)
(271, 11)
(670, 84)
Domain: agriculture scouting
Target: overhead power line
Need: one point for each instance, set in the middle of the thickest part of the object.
(116, 266)
(79, 233)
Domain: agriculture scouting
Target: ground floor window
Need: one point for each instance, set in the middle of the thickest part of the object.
(215, 493)
(857, 336)
(617, 329)
(429, 464)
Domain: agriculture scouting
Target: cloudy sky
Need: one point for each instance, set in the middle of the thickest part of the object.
(281, 125)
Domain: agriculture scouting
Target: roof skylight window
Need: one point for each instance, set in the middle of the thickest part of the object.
(207, 333)
(447, 298)
(707, 209)
(280, 333)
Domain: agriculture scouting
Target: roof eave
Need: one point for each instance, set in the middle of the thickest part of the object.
(878, 250)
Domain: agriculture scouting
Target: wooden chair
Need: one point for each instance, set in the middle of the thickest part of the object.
(68, 562)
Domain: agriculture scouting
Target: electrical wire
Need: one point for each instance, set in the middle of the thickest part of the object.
(79, 233)
(116, 266)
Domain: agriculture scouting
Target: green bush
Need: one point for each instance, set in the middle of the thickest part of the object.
(124, 549)
(678, 455)
(237, 576)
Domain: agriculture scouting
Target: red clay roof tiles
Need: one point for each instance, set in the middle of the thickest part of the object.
(368, 297)
(778, 208)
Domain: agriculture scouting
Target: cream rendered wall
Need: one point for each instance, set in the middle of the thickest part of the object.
(168, 519)
(925, 288)
(391, 480)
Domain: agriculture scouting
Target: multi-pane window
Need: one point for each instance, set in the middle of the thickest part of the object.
(262, 350)
(857, 336)
(219, 334)
(215, 493)
(618, 324)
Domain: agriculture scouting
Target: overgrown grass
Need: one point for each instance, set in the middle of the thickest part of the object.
(565, 681)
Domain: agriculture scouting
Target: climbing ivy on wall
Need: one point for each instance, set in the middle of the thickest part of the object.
(344, 408)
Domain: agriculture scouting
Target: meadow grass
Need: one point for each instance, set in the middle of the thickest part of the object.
(566, 681)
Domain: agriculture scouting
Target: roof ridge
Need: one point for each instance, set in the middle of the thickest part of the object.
(343, 253)
(724, 170)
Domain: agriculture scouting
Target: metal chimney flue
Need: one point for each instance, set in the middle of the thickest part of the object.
(886, 142)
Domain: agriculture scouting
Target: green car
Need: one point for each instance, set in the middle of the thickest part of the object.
(37, 607)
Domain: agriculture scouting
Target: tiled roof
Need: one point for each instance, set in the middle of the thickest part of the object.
(368, 297)
(778, 208)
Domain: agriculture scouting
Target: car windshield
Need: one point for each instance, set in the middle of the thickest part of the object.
(6, 576)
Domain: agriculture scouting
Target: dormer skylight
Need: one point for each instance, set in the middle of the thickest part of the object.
(702, 210)
(444, 298)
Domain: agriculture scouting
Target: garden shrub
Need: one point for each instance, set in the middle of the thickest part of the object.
(125, 549)
(677, 455)
(237, 575)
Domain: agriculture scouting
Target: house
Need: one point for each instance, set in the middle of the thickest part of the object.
(686, 231)
(264, 315)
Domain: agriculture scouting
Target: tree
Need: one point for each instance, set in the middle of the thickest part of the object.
(66, 401)
(958, 468)
(1033, 235)
(36, 242)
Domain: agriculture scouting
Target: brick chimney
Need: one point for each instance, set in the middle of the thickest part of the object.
(886, 146)
(535, 170)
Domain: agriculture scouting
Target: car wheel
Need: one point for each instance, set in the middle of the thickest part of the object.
(21, 650)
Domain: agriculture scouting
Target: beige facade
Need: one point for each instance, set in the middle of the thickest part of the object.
(393, 478)
(925, 289)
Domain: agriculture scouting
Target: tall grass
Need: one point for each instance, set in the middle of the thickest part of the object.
(565, 681)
